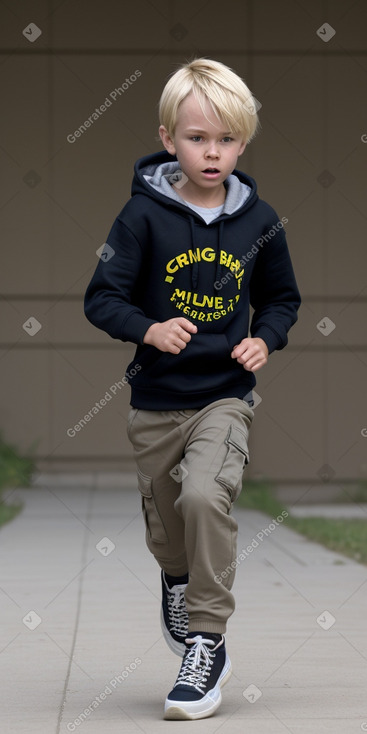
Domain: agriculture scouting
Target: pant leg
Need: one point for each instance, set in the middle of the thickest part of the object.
(189, 524)
(215, 458)
(159, 445)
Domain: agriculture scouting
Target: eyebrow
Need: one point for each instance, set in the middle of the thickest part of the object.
(198, 130)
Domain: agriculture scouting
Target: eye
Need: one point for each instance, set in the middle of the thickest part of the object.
(195, 138)
(227, 139)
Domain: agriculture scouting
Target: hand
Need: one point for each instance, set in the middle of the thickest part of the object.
(251, 353)
(170, 336)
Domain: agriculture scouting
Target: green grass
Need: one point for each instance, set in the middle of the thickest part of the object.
(7, 512)
(15, 471)
(353, 493)
(348, 537)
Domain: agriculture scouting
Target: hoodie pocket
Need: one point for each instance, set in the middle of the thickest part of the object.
(237, 456)
(155, 529)
(203, 354)
(209, 349)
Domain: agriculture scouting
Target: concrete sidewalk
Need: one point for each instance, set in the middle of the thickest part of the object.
(81, 646)
(351, 511)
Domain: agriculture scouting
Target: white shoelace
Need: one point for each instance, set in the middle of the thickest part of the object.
(177, 610)
(196, 666)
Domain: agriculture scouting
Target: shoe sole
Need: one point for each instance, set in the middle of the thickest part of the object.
(177, 647)
(203, 708)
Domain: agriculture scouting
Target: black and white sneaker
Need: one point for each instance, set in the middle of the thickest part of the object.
(205, 668)
(174, 617)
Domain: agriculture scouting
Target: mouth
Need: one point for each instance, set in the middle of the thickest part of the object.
(211, 172)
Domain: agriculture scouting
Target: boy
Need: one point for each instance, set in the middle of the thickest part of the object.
(193, 247)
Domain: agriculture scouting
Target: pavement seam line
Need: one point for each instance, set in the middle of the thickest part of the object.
(77, 619)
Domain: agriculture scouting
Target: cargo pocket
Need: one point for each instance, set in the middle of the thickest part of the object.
(236, 458)
(153, 522)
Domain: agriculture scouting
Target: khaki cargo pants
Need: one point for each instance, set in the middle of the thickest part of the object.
(190, 465)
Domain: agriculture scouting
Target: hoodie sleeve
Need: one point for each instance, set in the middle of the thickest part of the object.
(107, 302)
(274, 294)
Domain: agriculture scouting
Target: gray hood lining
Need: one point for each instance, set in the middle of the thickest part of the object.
(162, 177)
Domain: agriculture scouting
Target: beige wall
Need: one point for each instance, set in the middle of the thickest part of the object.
(314, 397)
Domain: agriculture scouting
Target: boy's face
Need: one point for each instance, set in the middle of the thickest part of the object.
(200, 144)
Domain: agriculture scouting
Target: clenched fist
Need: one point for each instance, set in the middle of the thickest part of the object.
(170, 336)
(251, 353)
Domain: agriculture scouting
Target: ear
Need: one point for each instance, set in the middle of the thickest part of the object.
(167, 140)
(242, 148)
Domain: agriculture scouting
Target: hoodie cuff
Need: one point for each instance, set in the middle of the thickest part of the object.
(135, 328)
(270, 337)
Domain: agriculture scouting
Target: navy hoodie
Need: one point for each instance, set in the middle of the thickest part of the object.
(163, 261)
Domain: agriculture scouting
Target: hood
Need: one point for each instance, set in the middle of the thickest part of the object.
(154, 175)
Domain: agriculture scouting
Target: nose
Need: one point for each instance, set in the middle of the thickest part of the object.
(212, 150)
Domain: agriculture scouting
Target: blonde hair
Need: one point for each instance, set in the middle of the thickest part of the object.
(227, 94)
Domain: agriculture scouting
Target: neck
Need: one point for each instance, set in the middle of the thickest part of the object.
(208, 198)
